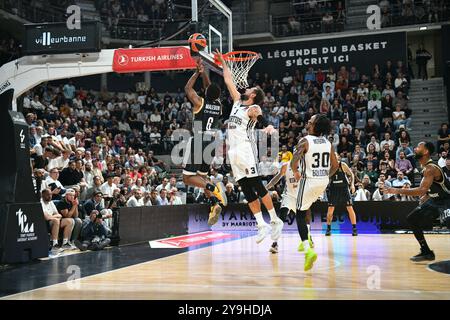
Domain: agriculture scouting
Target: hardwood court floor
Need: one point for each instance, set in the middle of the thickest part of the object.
(364, 267)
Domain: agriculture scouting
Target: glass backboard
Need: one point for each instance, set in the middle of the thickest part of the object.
(212, 18)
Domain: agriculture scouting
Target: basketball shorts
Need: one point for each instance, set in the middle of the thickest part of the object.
(339, 196)
(244, 161)
(425, 214)
(309, 190)
(289, 202)
(197, 160)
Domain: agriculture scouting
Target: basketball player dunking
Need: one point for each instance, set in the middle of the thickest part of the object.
(317, 163)
(207, 111)
(243, 152)
(434, 193)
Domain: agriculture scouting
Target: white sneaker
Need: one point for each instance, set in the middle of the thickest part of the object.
(263, 231)
(277, 227)
(72, 245)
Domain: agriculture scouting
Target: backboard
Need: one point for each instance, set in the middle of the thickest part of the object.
(213, 19)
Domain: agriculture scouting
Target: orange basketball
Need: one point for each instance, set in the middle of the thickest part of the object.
(197, 42)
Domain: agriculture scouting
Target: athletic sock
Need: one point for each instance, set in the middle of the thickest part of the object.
(259, 219)
(328, 226)
(55, 243)
(210, 187)
(273, 214)
(354, 226)
(309, 228)
(306, 245)
(424, 246)
(65, 241)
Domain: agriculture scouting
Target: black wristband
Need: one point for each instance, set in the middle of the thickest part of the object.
(262, 121)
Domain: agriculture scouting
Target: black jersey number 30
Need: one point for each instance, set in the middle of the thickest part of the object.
(317, 159)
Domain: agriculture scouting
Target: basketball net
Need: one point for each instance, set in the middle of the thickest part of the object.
(240, 63)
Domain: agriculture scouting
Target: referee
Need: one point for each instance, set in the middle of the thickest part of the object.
(339, 193)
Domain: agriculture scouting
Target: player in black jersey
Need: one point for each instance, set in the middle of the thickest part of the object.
(206, 114)
(339, 193)
(434, 193)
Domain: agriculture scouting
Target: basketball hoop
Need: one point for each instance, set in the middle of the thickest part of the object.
(240, 63)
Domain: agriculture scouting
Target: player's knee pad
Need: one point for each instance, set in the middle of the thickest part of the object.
(257, 184)
(247, 189)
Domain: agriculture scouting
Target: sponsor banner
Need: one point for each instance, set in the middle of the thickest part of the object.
(332, 52)
(23, 232)
(46, 38)
(372, 217)
(190, 240)
(152, 59)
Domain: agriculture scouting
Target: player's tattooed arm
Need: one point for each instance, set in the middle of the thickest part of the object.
(334, 162)
(277, 177)
(428, 177)
(301, 149)
(228, 78)
(191, 94)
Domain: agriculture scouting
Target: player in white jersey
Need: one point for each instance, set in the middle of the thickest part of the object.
(243, 152)
(317, 163)
(289, 199)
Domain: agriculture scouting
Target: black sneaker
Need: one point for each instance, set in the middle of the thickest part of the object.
(423, 256)
(328, 233)
(274, 248)
(354, 232)
(80, 245)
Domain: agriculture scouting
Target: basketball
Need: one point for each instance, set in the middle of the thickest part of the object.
(197, 42)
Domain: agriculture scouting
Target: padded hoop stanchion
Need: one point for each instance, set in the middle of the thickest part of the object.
(239, 63)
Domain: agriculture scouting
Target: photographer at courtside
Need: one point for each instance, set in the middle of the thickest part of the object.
(94, 235)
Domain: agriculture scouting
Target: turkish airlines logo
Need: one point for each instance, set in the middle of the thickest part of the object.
(123, 60)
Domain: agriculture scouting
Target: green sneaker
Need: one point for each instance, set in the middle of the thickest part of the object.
(310, 258)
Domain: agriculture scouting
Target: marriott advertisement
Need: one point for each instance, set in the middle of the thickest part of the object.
(51, 38)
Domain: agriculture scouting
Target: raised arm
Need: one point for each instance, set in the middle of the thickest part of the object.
(277, 177)
(228, 78)
(301, 149)
(191, 94)
(204, 75)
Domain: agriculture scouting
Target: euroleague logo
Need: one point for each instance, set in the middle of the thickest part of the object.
(123, 60)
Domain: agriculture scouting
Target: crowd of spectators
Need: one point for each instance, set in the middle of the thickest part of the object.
(402, 12)
(323, 16)
(370, 117)
(141, 19)
(94, 152)
(312, 16)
